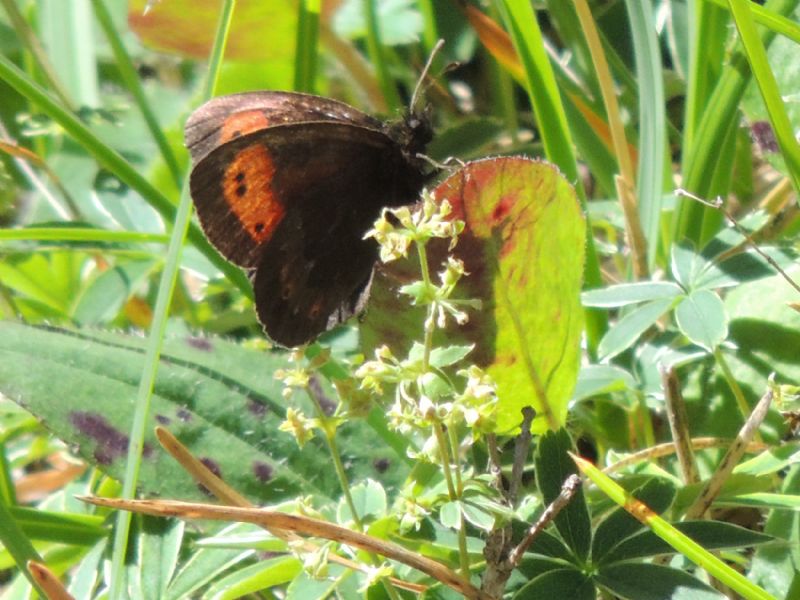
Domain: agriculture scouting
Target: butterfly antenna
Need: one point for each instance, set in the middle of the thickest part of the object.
(423, 76)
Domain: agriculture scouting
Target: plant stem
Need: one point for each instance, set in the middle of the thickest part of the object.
(429, 321)
(738, 394)
(444, 453)
(329, 433)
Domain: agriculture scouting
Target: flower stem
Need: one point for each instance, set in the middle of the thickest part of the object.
(454, 495)
(329, 433)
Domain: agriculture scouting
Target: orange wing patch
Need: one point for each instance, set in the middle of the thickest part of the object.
(242, 123)
(248, 192)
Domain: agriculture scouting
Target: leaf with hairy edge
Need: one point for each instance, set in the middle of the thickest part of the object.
(220, 399)
(523, 248)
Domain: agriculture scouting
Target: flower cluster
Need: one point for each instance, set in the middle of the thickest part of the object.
(397, 228)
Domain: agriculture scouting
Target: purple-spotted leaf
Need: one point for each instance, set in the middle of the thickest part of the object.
(219, 398)
(523, 250)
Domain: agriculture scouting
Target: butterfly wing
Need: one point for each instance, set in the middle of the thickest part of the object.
(224, 118)
(292, 203)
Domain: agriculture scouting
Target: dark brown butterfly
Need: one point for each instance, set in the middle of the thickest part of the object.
(286, 185)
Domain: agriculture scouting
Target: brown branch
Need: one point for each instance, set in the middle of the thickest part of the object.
(731, 458)
(221, 490)
(298, 524)
(570, 487)
(679, 424)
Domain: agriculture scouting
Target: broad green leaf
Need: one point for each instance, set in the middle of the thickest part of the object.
(701, 317)
(686, 265)
(158, 549)
(478, 515)
(254, 578)
(104, 297)
(523, 247)
(260, 31)
(654, 582)
(219, 399)
(744, 266)
(594, 380)
(553, 466)
(369, 499)
(305, 587)
(761, 500)
(559, 583)
(206, 565)
(627, 330)
(773, 568)
(48, 281)
(399, 21)
(631, 293)
(449, 355)
(450, 514)
(619, 524)
(712, 535)
(770, 461)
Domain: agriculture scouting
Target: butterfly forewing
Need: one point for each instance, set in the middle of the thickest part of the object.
(226, 117)
(285, 186)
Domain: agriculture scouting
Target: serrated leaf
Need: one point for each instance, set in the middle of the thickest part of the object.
(701, 317)
(523, 247)
(631, 293)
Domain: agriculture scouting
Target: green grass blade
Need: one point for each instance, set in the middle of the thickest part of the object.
(131, 79)
(777, 23)
(768, 86)
(305, 70)
(17, 544)
(66, 31)
(114, 162)
(34, 47)
(702, 157)
(675, 538)
(155, 340)
(652, 136)
(377, 57)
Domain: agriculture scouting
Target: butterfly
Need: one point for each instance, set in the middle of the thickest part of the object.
(286, 184)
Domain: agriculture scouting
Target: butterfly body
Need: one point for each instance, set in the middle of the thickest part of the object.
(285, 186)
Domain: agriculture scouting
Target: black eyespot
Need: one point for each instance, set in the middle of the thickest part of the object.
(241, 190)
